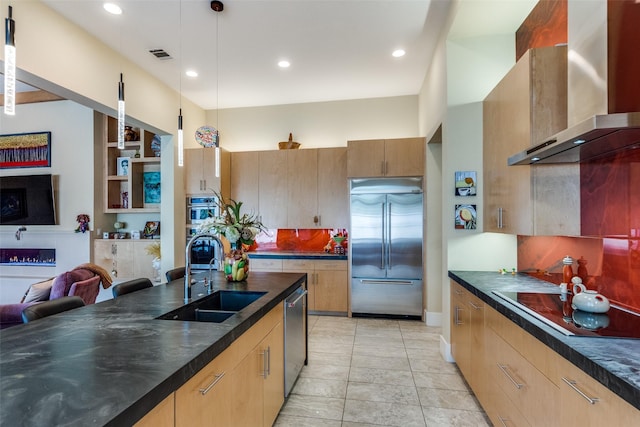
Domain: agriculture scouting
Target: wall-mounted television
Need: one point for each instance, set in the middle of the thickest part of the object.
(27, 200)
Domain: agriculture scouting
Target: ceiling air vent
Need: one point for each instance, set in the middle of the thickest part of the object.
(160, 53)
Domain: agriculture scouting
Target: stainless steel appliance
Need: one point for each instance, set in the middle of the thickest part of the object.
(385, 242)
(295, 348)
(205, 249)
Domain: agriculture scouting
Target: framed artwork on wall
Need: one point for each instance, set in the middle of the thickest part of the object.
(123, 166)
(25, 150)
(151, 182)
(466, 217)
(466, 183)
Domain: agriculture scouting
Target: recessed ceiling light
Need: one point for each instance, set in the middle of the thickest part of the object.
(112, 8)
(284, 64)
(191, 73)
(398, 53)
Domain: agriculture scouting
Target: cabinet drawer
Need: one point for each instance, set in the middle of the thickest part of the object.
(525, 386)
(297, 265)
(501, 410)
(336, 265)
(265, 264)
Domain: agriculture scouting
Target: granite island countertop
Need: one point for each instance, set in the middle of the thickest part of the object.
(112, 362)
(614, 362)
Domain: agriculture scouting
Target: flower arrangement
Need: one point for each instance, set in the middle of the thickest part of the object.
(83, 223)
(237, 228)
(153, 249)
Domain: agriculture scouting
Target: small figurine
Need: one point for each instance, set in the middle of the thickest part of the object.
(83, 223)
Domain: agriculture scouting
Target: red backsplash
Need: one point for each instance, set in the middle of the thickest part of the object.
(298, 240)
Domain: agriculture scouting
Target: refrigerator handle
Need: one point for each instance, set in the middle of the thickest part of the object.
(384, 242)
(389, 251)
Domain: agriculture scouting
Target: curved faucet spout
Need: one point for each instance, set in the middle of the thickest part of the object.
(187, 272)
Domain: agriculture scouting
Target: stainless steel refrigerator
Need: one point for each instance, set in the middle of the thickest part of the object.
(385, 241)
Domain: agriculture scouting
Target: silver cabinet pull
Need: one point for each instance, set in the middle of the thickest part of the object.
(457, 316)
(458, 291)
(500, 225)
(475, 307)
(215, 381)
(294, 302)
(503, 368)
(268, 360)
(573, 385)
(502, 421)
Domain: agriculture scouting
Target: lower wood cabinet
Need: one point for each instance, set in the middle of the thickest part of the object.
(127, 257)
(161, 416)
(520, 381)
(327, 283)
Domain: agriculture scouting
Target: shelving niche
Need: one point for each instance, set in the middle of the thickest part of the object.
(133, 182)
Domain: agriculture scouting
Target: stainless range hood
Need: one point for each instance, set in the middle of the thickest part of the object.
(593, 138)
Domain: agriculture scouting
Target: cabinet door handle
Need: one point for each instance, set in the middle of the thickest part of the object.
(264, 364)
(503, 368)
(268, 360)
(457, 320)
(458, 291)
(215, 381)
(500, 224)
(502, 421)
(476, 307)
(573, 385)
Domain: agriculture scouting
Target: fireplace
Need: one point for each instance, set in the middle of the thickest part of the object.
(28, 257)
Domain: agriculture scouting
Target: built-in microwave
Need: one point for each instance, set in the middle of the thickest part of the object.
(201, 208)
(204, 249)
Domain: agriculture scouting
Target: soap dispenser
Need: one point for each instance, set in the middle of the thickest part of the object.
(567, 271)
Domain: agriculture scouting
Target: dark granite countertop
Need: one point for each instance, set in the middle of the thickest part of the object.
(110, 363)
(614, 362)
(296, 255)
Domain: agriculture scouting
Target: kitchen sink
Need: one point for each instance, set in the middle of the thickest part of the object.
(215, 308)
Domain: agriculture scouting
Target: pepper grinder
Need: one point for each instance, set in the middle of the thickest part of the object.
(582, 269)
(567, 271)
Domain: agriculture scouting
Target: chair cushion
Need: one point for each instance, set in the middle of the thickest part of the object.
(11, 314)
(62, 283)
(86, 289)
(38, 291)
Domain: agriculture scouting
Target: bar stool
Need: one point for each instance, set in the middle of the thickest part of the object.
(51, 307)
(175, 274)
(131, 286)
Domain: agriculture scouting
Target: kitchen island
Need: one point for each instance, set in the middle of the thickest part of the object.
(609, 368)
(111, 363)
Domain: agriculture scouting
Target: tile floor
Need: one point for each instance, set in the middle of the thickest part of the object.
(378, 372)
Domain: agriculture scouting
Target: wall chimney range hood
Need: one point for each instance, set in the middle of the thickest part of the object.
(598, 136)
(603, 90)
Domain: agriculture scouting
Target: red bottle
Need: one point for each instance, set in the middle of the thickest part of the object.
(582, 269)
(567, 271)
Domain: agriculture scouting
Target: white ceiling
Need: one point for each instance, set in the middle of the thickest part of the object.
(338, 49)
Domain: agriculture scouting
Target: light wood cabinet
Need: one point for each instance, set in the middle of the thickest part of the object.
(127, 257)
(327, 283)
(293, 188)
(206, 399)
(200, 171)
(386, 157)
(527, 106)
(127, 172)
(162, 415)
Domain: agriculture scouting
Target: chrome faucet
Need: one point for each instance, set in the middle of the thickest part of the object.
(187, 269)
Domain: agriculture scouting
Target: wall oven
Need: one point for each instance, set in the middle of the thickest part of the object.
(204, 249)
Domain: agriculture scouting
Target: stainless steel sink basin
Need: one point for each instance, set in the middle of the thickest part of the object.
(216, 307)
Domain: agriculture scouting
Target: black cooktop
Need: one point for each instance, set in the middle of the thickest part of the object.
(555, 310)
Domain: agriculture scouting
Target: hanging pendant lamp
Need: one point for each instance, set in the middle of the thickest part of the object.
(121, 114)
(10, 65)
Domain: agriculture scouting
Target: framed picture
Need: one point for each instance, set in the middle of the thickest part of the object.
(151, 229)
(151, 181)
(25, 150)
(123, 166)
(466, 217)
(466, 183)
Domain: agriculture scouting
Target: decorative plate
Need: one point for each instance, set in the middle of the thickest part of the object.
(207, 136)
(156, 145)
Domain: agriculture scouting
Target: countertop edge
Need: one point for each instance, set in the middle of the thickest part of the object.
(297, 255)
(610, 380)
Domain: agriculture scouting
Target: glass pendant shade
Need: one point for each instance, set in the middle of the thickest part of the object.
(180, 141)
(121, 114)
(217, 153)
(10, 65)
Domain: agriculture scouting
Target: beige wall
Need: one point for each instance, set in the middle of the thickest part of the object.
(316, 125)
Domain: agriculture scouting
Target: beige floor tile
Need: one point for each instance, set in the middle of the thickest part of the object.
(438, 380)
(352, 424)
(450, 399)
(381, 376)
(322, 346)
(383, 413)
(327, 329)
(381, 350)
(368, 361)
(320, 387)
(379, 340)
(423, 352)
(330, 339)
(293, 421)
(406, 395)
(313, 407)
(328, 372)
(442, 417)
(433, 364)
(320, 358)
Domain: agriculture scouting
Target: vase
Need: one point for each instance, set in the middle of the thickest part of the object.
(155, 264)
(236, 264)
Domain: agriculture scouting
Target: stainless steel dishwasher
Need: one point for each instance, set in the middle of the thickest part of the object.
(295, 337)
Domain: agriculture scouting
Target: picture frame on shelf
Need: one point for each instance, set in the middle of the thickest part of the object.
(151, 230)
(123, 164)
(151, 182)
(466, 183)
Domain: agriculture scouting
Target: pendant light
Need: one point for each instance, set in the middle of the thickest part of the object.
(180, 135)
(218, 7)
(121, 114)
(10, 65)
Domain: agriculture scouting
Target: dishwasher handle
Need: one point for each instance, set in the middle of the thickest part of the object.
(291, 304)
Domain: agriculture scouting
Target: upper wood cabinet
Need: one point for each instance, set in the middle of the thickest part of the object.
(126, 171)
(527, 106)
(386, 157)
(200, 171)
(293, 188)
